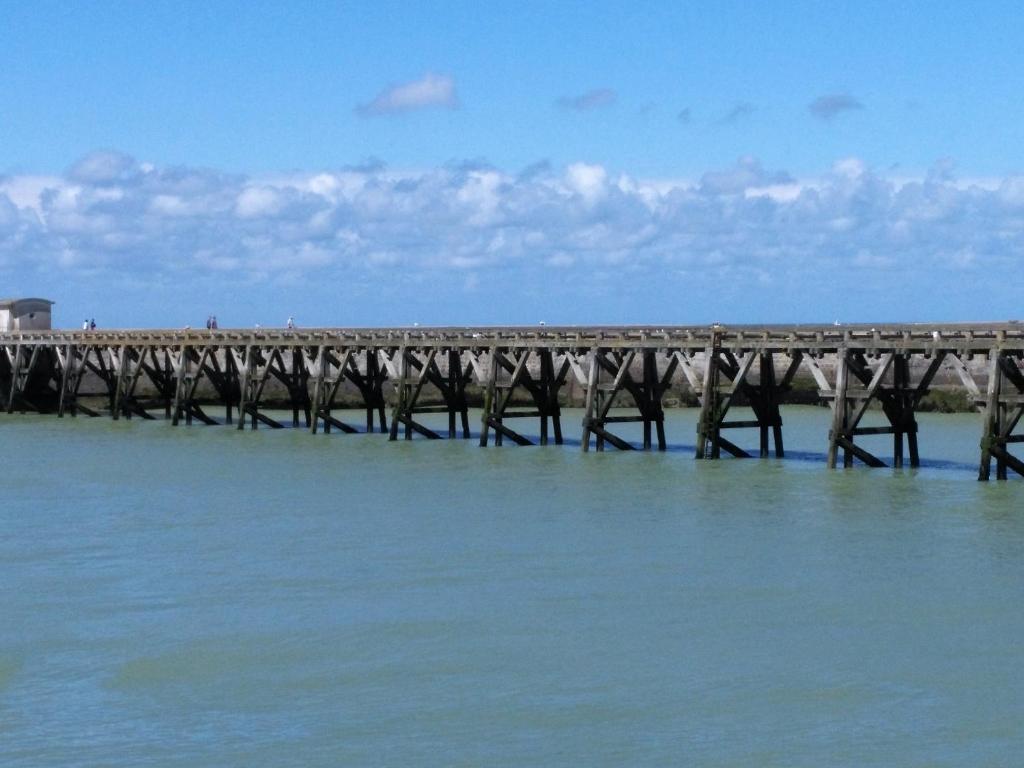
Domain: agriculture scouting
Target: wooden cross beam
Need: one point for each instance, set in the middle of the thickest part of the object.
(999, 421)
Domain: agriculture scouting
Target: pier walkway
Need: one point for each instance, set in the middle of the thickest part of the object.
(402, 373)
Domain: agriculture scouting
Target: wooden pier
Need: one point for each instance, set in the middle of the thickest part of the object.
(414, 371)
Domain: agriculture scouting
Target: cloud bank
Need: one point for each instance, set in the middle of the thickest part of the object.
(109, 220)
(428, 91)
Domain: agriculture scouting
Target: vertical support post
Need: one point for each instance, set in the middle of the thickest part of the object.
(593, 376)
(768, 408)
(650, 379)
(319, 369)
(451, 396)
(179, 383)
(400, 394)
(372, 368)
(15, 377)
(554, 406)
(599, 404)
(990, 424)
(489, 394)
(36, 349)
(70, 351)
(1001, 424)
(707, 422)
(187, 375)
(407, 371)
(780, 450)
(900, 385)
(546, 385)
(839, 409)
(373, 362)
(293, 385)
(463, 402)
(107, 374)
(168, 370)
(122, 367)
(229, 390)
(244, 377)
(4, 369)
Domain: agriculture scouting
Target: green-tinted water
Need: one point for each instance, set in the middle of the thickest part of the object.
(198, 596)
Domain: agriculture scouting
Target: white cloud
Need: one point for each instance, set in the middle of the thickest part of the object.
(24, 191)
(103, 166)
(849, 167)
(431, 90)
(258, 201)
(588, 181)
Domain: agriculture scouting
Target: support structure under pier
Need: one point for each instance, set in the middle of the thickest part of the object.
(253, 365)
(718, 396)
(508, 372)
(129, 365)
(875, 378)
(1004, 407)
(327, 373)
(646, 392)
(30, 378)
(885, 380)
(412, 370)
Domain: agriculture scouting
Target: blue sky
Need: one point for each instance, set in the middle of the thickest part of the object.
(599, 160)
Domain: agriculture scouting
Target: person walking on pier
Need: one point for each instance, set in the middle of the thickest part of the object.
(291, 322)
(213, 322)
(85, 325)
(92, 324)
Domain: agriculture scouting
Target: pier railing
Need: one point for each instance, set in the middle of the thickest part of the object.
(413, 371)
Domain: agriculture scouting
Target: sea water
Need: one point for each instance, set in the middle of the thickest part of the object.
(198, 596)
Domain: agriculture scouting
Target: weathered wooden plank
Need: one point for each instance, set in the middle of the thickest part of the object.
(819, 375)
(1008, 459)
(14, 355)
(689, 371)
(730, 447)
(868, 458)
(869, 393)
(615, 440)
(511, 434)
(964, 374)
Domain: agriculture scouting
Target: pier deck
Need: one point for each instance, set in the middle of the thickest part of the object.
(411, 371)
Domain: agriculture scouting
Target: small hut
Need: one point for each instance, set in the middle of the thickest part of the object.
(25, 314)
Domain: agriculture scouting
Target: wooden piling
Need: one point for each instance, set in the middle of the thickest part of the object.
(839, 408)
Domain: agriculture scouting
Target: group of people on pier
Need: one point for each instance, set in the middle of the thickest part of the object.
(211, 323)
